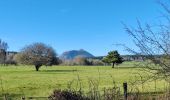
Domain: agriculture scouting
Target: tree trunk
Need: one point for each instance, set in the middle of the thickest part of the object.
(113, 65)
(37, 67)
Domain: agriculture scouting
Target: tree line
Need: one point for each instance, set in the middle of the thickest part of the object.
(39, 54)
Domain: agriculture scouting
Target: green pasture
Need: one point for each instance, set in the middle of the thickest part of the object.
(24, 80)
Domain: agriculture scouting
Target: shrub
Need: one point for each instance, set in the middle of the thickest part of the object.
(96, 62)
(11, 62)
(67, 95)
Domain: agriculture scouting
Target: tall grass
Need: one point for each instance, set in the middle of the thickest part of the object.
(91, 81)
(114, 93)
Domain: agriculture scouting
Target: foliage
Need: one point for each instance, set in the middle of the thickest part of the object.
(113, 57)
(95, 62)
(80, 61)
(37, 54)
(67, 63)
(54, 61)
(67, 95)
(10, 60)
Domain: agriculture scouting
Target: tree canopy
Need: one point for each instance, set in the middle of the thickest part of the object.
(37, 54)
(113, 57)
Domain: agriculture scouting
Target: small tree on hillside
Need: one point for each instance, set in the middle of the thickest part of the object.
(113, 57)
(37, 54)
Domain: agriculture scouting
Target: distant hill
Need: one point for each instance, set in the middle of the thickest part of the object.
(68, 55)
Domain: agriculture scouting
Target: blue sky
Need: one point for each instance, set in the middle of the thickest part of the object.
(93, 25)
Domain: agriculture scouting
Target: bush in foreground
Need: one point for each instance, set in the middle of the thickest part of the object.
(67, 95)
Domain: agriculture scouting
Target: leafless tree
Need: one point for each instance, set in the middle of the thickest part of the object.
(3, 49)
(3, 45)
(37, 54)
(153, 42)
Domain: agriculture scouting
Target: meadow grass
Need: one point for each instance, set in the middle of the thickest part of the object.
(24, 80)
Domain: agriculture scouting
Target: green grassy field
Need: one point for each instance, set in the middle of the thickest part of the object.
(19, 80)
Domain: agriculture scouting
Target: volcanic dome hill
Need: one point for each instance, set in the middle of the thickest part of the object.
(68, 55)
